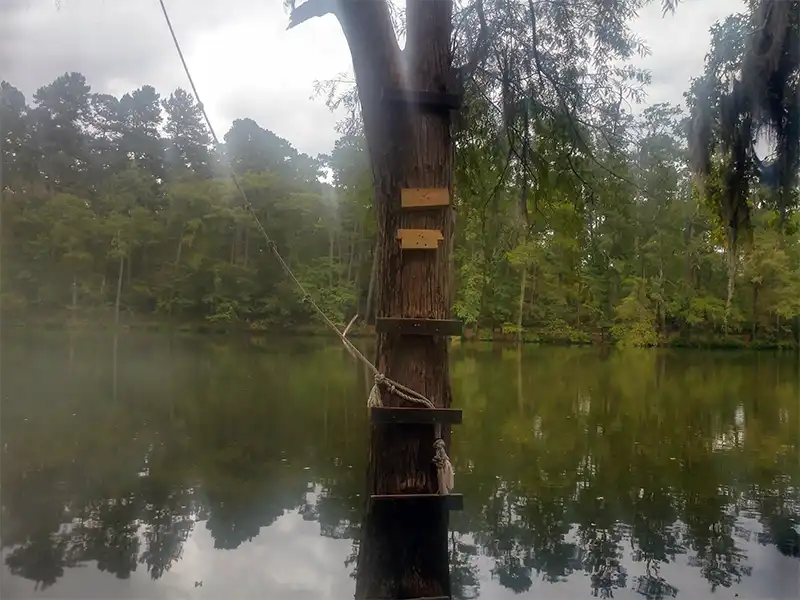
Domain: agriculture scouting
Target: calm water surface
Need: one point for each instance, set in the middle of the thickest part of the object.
(182, 467)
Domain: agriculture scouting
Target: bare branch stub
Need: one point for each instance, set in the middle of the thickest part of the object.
(308, 10)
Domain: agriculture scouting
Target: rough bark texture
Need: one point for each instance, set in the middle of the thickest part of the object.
(403, 552)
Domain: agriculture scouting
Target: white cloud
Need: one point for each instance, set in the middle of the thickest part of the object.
(288, 560)
(678, 44)
(246, 64)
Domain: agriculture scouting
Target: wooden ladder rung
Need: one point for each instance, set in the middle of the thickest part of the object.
(452, 501)
(389, 414)
(431, 101)
(423, 598)
(407, 326)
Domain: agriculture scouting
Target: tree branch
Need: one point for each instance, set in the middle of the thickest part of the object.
(480, 43)
(310, 9)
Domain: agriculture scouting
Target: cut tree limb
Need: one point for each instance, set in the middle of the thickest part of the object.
(310, 9)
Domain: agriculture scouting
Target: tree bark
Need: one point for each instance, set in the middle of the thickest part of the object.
(403, 550)
(373, 275)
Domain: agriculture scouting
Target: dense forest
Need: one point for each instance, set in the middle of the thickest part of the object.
(577, 220)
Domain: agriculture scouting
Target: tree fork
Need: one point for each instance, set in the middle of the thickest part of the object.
(403, 548)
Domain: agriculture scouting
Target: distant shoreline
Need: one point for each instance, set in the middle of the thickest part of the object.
(99, 323)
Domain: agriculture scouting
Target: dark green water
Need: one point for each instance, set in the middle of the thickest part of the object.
(190, 460)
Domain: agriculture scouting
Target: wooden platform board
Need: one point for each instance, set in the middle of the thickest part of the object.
(422, 598)
(407, 326)
(419, 239)
(388, 414)
(429, 101)
(452, 501)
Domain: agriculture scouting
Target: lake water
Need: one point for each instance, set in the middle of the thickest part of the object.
(183, 467)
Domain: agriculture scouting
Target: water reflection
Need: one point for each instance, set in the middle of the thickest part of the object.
(199, 465)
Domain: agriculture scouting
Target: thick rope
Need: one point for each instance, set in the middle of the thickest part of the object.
(443, 465)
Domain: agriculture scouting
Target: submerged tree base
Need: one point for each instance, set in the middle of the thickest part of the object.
(404, 550)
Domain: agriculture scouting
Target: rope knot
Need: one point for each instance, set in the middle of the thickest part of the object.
(374, 399)
(444, 468)
(272, 246)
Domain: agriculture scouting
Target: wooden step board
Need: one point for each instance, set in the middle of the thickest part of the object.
(419, 239)
(437, 102)
(380, 415)
(421, 598)
(406, 326)
(451, 501)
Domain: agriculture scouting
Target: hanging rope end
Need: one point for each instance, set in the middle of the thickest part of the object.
(445, 474)
(374, 400)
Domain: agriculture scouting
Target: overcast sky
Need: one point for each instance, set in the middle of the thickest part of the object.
(246, 64)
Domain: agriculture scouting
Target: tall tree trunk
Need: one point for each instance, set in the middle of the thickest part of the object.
(373, 275)
(179, 249)
(74, 305)
(522, 285)
(331, 239)
(520, 387)
(403, 550)
(731, 263)
(524, 222)
(353, 237)
(119, 289)
(246, 246)
(115, 351)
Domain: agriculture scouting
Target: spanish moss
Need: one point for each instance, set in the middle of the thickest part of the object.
(749, 93)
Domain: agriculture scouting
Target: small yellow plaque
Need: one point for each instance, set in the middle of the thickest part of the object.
(419, 239)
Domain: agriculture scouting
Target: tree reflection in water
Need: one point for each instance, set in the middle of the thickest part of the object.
(640, 462)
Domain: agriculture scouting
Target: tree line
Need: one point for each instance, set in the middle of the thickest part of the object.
(123, 201)
(574, 223)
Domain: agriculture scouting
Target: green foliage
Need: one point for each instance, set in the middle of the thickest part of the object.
(619, 243)
(576, 218)
(96, 197)
(634, 325)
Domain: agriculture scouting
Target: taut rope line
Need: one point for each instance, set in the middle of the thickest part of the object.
(443, 466)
